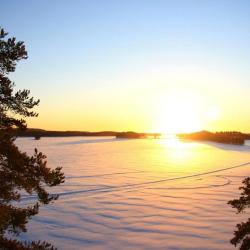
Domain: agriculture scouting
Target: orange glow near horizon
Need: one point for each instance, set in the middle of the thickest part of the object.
(167, 110)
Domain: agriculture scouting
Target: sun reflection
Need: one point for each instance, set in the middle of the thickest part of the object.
(177, 149)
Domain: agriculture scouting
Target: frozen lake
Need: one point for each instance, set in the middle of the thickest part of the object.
(140, 194)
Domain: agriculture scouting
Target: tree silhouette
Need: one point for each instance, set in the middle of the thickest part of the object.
(19, 173)
(241, 235)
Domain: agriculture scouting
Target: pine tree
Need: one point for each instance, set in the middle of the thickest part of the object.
(241, 235)
(18, 171)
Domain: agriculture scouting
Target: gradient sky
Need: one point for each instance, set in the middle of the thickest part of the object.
(134, 64)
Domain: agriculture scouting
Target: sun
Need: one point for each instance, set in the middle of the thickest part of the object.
(179, 112)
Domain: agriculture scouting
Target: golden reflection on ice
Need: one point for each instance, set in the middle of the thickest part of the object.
(179, 151)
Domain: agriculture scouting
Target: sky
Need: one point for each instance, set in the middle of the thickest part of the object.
(167, 66)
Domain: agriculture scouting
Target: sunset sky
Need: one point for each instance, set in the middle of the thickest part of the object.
(168, 66)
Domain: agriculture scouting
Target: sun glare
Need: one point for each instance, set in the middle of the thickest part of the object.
(182, 112)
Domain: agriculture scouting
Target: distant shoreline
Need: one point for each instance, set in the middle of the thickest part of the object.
(228, 137)
(38, 133)
(52, 133)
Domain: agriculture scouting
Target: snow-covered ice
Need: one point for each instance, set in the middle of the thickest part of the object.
(140, 194)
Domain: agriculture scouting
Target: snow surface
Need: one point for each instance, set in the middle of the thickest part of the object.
(140, 194)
